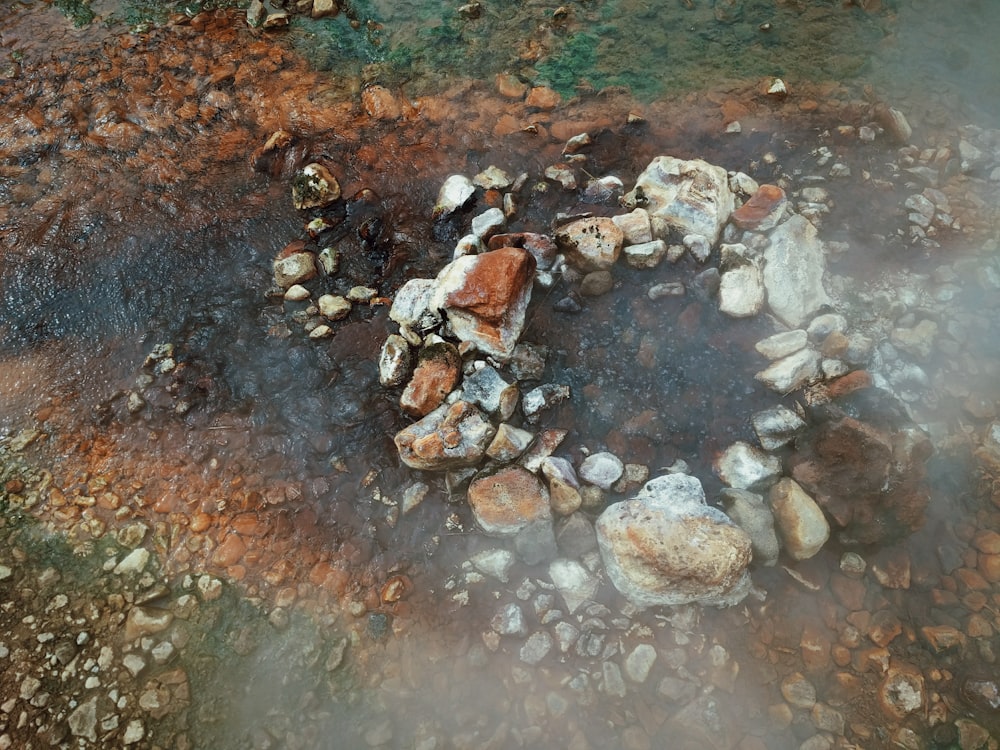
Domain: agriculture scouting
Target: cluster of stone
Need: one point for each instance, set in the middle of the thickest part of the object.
(277, 14)
(461, 366)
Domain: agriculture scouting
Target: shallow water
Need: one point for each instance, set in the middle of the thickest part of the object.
(131, 218)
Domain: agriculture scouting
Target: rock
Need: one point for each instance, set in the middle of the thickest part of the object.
(509, 621)
(394, 361)
(746, 467)
(536, 648)
(333, 306)
(294, 269)
(645, 254)
(83, 721)
(792, 372)
(133, 563)
(639, 662)
(798, 691)
(146, 621)
(613, 683)
(276, 20)
(528, 361)
(485, 298)
(575, 535)
(379, 103)
(563, 174)
(894, 123)
(324, 8)
(741, 286)
(763, 211)
(698, 245)
(541, 398)
(314, 187)
(666, 546)
(917, 341)
(776, 426)
(902, 691)
(564, 488)
(296, 293)
(451, 436)
(596, 284)
(256, 12)
(870, 481)
(507, 501)
(574, 583)
(688, 197)
(822, 326)
(800, 521)
(592, 244)
(542, 97)
(509, 443)
(493, 178)
(488, 223)
(439, 367)
(794, 264)
(134, 732)
(635, 226)
(488, 390)
(601, 469)
(495, 562)
(411, 309)
(454, 194)
(972, 736)
(750, 513)
(782, 344)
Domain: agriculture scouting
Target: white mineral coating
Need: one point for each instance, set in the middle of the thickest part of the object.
(452, 436)
(543, 397)
(800, 521)
(574, 583)
(789, 373)
(591, 244)
(776, 426)
(488, 223)
(688, 197)
(747, 467)
(411, 310)
(455, 193)
(601, 469)
(793, 272)
(667, 546)
(741, 290)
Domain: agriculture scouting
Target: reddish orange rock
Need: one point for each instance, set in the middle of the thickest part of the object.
(506, 502)
(763, 211)
(849, 383)
(989, 566)
(438, 370)
(542, 97)
(229, 552)
(510, 86)
(380, 104)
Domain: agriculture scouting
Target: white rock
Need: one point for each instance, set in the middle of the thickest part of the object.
(487, 389)
(782, 344)
(741, 290)
(635, 226)
(750, 513)
(488, 223)
(646, 254)
(746, 467)
(394, 365)
(601, 469)
(333, 306)
(134, 562)
(776, 426)
(455, 193)
(791, 372)
(495, 563)
(296, 293)
(639, 663)
(574, 583)
(793, 272)
(412, 310)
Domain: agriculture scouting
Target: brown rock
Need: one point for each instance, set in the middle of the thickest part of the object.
(763, 211)
(592, 244)
(229, 552)
(815, 649)
(486, 298)
(989, 566)
(380, 104)
(849, 383)
(884, 628)
(542, 97)
(510, 86)
(452, 436)
(942, 637)
(438, 370)
(506, 502)
(850, 592)
(987, 541)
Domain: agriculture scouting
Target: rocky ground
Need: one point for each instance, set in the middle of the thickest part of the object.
(172, 597)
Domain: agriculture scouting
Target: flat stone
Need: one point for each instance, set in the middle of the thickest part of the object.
(488, 223)
(782, 344)
(639, 662)
(509, 621)
(646, 254)
(741, 290)
(294, 269)
(536, 648)
(83, 720)
(792, 372)
(798, 691)
(146, 621)
(763, 211)
(776, 426)
(749, 511)
(506, 502)
(455, 193)
(746, 467)
(635, 226)
(574, 583)
(333, 306)
(495, 563)
(379, 103)
(793, 272)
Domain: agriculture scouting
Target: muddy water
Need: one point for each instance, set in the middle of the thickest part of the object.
(132, 218)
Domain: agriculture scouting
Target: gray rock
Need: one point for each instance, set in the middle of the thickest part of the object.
(776, 426)
(793, 272)
(613, 685)
(495, 563)
(645, 254)
(455, 193)
(639, 663)
(394, 361)
(747, 467)
(791, 372)
(83, 721)
(536, 542)
(783, 344)
(509, 621)
(667, 546)
(750, 513)
(601, 469)
(688, 197)
(574, 583)
(823, 325)
(800, 521)
(566, 635)
(536, 648)
(917, 341)
(452, 436)
(575, 535)
(798, 691)
(488, 390)
(528, 361)
(488, 223)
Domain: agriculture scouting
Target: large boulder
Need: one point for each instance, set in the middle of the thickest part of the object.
(450, 437)
(794, 263)
(485, 298)
(667, 546)
(688, 197)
